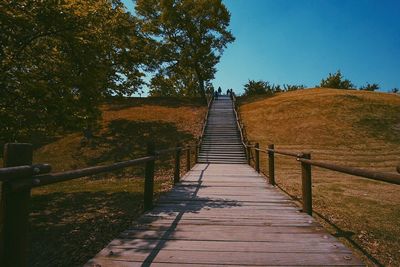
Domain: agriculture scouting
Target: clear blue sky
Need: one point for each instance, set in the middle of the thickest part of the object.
(301, 41)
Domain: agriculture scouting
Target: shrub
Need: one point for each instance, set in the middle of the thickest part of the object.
(337, 81)
(370, 87)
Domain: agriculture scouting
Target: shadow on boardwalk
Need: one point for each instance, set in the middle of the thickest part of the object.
(172, 210)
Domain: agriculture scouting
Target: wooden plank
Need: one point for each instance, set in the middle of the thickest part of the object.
(234, 258)
(214, 222)
(230, 228)
(247, 235)
(237, 246)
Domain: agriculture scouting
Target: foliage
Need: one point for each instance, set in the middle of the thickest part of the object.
(262, 87)
(337, 81)
(59, 59)
(370, 87)
(395, 90)
(294, 87)
(187, 39)
(255, 88)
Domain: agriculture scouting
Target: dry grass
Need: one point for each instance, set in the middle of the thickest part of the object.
(72, 221)
(352, 128)
(126, 127)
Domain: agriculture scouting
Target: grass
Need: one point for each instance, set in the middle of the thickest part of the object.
(71, 221)
(352, 128)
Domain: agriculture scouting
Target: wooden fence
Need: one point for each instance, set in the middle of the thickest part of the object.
(19, 176)
(253, 153)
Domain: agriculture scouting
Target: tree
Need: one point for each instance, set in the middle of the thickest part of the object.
(257, 88)
(337, 81)
(370, 87)
(187, 39)
(395, 90)
(59, 59)
(294, 87)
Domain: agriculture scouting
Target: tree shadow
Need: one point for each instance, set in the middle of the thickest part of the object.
(67, 227)
(115, 104)
(125, 139)
(181, 200)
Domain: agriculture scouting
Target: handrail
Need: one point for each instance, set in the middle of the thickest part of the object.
(42, 177)
(173, 149)
(209, 102)
(18, 182)
(242, 137)
(21, 171)
(52, 178)
(392, 178)
(374, 175)
(306, 177)
(281, 152)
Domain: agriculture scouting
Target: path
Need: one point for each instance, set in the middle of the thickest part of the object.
(224, 214)
(221, 141)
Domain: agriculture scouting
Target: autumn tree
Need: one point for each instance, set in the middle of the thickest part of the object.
(187, 39)
(59, 59)
(337, 81)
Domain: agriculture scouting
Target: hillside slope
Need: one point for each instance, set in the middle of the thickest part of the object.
(126, 126)
(71, 221)
(352, 128)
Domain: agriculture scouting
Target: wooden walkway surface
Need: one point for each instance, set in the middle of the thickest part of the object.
(225, 214)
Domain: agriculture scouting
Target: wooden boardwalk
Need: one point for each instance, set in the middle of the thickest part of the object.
(225, 214)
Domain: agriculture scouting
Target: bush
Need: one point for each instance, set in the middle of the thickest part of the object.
(337, 81)
(370, 87)
(258, 88)
(294, 87)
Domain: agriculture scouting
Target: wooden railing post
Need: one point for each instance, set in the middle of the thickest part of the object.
(177, 164)
(15, 205)
(248, 154)
(271, 164)
(306, 182)
(257, 152)
(196, 156)
(188, 159)
(149, 178)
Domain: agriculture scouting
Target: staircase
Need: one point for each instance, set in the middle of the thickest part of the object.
(221, 140)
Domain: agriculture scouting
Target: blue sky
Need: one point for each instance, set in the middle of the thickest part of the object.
(301, 41)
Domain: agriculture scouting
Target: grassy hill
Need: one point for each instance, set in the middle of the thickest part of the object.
(72, 221)
(126, 126)
(352, 128)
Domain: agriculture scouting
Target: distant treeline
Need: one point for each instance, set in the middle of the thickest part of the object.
(334, 80)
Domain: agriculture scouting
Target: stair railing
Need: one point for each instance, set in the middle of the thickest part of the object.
(240, 125)
(210, 100)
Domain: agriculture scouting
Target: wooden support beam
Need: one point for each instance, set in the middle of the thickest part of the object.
(306, 182)
(15, 209)
(271, 164)
(149, 178)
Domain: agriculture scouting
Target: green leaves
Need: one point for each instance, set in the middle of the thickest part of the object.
(59, 59)
(336, 80)
(188, 38)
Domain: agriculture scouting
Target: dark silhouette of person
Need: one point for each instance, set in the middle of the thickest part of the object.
(219, 90)
(228, 91)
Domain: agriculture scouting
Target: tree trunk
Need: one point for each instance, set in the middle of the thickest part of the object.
(202, 91)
